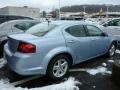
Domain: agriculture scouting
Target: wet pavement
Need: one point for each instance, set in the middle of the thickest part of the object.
(89, 82)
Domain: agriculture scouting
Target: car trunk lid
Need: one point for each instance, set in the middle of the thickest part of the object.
(16, 39)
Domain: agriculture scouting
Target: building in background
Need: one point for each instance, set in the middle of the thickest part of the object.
(21, 11)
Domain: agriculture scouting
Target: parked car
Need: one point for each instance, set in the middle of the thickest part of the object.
(52, 48)
(113, 27)
(112, 24)
(14, 26)
(4, 18)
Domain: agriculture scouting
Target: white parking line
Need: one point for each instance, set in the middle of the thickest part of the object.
(35, 77)
(25, 80)
(77, 70)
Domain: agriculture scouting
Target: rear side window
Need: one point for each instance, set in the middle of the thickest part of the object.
(25, 26)
(41, 29)
(77, 31)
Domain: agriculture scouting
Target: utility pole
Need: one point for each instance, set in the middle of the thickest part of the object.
(59, 10)
(107, 10)
(84, 10)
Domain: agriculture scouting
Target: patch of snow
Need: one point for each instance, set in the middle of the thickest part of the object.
(94, 86)
(104, 64)
(70, 84)
(111, 61)
(99, 69)
(117, 51)
(2, 62)
(5, 85)
(108, 72)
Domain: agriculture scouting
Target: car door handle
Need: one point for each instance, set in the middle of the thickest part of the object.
(71, 41)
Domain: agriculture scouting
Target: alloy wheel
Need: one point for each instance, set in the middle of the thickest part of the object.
(112, 50)
(60, 68)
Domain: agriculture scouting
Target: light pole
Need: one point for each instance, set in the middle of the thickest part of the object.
(107, 11)
(59, 10)
(84, 11)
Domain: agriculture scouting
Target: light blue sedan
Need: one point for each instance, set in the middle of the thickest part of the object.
(51, 48)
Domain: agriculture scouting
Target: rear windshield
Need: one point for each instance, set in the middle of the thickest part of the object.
(41, 29)
(25, 25)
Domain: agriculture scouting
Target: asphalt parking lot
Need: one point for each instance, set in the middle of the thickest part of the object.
(89, 82)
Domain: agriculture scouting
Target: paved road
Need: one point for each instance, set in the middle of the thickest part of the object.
(89, 82)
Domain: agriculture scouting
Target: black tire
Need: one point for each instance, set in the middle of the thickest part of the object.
(51, 65)
(2, 48)
(113, 45)
(116, 72)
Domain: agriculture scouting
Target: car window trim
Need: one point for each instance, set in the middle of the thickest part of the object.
(76, 25)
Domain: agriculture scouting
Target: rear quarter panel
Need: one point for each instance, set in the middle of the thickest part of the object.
(49, 46)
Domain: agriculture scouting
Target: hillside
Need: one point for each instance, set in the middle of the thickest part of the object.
(90, 8)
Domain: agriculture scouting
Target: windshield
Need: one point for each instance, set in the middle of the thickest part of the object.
(41, 29)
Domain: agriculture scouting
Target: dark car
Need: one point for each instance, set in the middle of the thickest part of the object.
(4, 18)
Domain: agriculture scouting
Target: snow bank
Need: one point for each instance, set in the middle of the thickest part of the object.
(2, 62)
(117, 51)
(5, 85)
(70, 84)
(99, 69)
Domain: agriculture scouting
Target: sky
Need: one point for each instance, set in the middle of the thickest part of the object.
(50, 4)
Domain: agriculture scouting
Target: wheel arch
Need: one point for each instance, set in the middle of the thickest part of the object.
(2, 43)
(66, 54)
(115, 42)
(61, 53)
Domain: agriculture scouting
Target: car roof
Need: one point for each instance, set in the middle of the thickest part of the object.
(69, 22)
(18, 21)
(22, 20)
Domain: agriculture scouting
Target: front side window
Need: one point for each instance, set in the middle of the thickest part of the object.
(94, 31)
(77, 31)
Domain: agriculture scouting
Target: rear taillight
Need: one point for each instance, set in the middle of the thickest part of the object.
(26, 48)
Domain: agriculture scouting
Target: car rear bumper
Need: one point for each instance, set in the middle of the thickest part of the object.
(23, 64)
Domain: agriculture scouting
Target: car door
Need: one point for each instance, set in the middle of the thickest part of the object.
(77, 42)
(99, 42)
